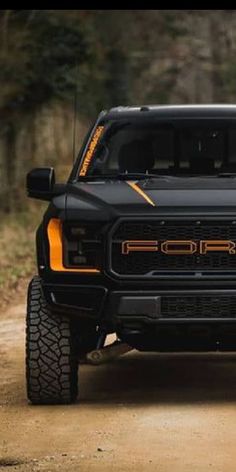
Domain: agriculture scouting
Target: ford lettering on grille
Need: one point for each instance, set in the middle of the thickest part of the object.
(150, 248)
(178, 247)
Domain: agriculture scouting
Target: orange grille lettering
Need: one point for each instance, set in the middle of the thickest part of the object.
(179, 247)
(175, 247)
(226, 246)
(137, 246)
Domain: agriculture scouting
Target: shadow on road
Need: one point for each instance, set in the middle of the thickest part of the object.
(160, 378)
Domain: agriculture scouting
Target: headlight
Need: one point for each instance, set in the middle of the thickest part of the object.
(74, 247)
(82, 245)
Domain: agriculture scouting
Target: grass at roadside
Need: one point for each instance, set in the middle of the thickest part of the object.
(17, 250)
(17, 244)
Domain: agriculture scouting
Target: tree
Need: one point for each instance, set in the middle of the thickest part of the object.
(42, 56)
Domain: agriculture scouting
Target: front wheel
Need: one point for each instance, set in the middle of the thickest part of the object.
(51, 359)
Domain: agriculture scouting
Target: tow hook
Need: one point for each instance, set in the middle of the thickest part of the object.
(107, 353)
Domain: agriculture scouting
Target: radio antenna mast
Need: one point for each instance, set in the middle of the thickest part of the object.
(75, 112)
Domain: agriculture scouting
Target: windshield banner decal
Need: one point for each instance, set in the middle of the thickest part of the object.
(89, 153)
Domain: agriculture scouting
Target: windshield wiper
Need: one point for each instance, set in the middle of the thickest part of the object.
(227, 174)
(122, 176)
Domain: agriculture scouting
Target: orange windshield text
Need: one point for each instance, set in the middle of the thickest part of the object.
(89, 153)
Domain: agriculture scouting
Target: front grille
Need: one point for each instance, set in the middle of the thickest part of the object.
(198, 307)
(153, 263)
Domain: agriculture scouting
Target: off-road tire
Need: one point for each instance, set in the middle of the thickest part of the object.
(51, 360)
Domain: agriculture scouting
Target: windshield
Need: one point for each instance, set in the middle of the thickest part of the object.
(151, 146)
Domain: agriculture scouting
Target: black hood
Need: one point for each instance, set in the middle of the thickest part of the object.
(112, 198)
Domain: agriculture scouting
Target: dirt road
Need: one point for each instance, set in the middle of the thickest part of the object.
(143, 412)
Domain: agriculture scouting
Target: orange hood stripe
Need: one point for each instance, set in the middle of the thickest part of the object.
(135, 187)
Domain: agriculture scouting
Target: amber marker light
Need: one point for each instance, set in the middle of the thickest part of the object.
(54, 231)
(89, 153)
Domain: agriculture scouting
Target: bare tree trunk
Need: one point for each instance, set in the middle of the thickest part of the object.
(216, 54)
(5, 22)
(10, 163)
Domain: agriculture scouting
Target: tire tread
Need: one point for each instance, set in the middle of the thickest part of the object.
(51, 361)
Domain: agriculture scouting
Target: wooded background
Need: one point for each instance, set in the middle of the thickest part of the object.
(113, 57)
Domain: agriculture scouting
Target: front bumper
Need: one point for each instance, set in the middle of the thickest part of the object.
(144, 306)
(171, 306)
(141, 317)
(77, 300)
(170, 321)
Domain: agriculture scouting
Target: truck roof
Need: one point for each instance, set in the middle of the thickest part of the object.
(174, 111)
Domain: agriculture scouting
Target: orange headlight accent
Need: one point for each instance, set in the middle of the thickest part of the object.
(55, 249)
(89, 153)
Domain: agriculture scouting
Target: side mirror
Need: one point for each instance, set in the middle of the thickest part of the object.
(40, 183)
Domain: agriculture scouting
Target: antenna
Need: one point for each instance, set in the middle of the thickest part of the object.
(75, 112)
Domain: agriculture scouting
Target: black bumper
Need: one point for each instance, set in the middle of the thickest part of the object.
(168, 306)
(163, 320)
(141, 317)
(145, 306)
(77, 300)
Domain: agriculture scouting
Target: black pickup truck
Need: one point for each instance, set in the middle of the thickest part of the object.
(141, 242)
